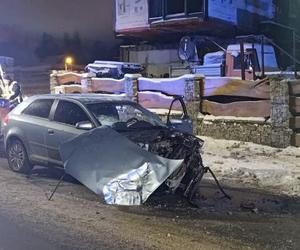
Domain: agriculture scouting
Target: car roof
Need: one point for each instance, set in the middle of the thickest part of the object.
(84, 98)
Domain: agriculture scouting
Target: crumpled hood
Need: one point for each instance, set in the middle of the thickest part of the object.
(111, 165)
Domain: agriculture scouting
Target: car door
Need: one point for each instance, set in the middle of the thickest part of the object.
(182, 123)
(65, 116)
(34, 122)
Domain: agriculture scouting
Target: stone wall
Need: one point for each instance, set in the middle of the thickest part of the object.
(255, 130)
(273, 131)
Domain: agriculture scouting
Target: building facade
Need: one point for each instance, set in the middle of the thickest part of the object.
(287, 14)
(151, 29)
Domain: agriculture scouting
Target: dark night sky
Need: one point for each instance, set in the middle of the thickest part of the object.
(92, 18)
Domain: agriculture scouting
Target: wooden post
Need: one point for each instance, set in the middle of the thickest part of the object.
(262, 56)
(243, 70)
(294, 53)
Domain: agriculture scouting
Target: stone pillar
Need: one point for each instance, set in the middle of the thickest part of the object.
(87, 83)
(131, 88)
(53, 81)
(192, 97)
(280, 114)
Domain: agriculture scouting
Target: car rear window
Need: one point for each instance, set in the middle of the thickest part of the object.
(39, 108)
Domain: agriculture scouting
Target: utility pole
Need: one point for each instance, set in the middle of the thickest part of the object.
(294, 53)
(242, 60)
(262, 56)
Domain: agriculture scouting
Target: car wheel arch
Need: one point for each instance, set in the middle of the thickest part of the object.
(13, 137)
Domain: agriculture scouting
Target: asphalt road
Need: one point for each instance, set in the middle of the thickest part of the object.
(14, 237)
(78, 219)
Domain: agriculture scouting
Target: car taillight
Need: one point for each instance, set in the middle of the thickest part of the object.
(5, 120)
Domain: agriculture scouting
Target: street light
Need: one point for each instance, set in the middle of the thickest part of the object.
(68, 62)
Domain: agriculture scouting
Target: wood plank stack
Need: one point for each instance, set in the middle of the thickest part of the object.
(71, 82)
(33, 80)
(234, 97)
(294, 87)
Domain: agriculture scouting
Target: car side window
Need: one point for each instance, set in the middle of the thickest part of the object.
(39, 108)
(69, 113)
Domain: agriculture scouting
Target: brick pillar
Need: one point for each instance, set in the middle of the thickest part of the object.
(192, 97)
(280, 114)
(131, 86)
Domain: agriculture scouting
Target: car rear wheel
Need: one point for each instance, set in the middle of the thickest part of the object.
(17, 157)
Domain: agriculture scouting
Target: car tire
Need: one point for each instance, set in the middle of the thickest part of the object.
(17, 157)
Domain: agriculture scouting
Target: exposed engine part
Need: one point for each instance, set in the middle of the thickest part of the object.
(178, 145)
(175, 145)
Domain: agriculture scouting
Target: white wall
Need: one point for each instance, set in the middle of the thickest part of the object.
(158, 61)
(154, 56)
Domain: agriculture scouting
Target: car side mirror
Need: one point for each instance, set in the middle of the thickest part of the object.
(86, 125)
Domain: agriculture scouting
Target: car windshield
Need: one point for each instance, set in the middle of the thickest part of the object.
(122, 116)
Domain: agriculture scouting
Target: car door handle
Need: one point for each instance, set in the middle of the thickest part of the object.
(50, 131)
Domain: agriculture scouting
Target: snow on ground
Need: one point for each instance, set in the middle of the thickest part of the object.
(254, 166)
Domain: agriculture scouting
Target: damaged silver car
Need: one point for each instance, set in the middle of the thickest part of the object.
(115, 147)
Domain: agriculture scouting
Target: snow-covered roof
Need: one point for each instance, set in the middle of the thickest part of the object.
(98, 66)
(123, 64)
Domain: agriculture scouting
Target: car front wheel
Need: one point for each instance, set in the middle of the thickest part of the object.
(17, 157)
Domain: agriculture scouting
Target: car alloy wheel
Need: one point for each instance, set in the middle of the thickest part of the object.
(17, 157)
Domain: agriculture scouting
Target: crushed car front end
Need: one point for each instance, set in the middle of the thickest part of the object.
(132, 155)
(126, 168)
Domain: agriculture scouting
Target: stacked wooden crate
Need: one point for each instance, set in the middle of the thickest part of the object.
(294, 87)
